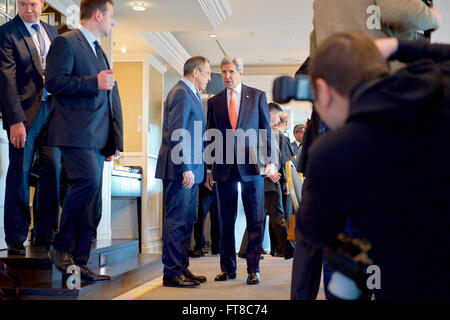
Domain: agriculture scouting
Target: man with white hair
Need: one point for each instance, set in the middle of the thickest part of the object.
(237, 108)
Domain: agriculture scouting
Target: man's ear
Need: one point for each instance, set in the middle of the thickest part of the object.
(323, 94)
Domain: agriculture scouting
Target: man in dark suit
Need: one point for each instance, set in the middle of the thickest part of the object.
(299, 130)
(235, 112)
(81, 124)
(181, 167)
(25, 105)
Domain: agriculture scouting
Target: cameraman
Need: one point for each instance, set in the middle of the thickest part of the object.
(403, 19)
(373, 168)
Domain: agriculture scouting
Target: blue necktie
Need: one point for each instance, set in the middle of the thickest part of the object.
(198, 96)
(100, 56)
(41, 41)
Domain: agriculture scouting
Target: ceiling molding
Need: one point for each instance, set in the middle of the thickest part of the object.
(217, 11)
(63, 5)
(165, 44)
(157, 64)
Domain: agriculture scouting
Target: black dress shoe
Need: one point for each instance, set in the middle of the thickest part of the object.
(179, 282)
(215, 251)
(16, 248)
(224, 276)
(61, 260)
(199, 252)
(190, 276)
(193, 254)
(89, 275)
(253, 278)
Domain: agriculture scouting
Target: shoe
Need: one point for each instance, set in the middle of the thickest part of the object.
(263, 252)
(42, 243)
(16, 248)
(215, 252)
(192, 254)
(199, 252)
(61, 260)
(224, 276)
(253, 278)
(279, 255)
(190, 276)
(89, 275)
(242, 255)
(179, 281)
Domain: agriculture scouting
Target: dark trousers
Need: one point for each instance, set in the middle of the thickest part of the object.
(17, 217)
(47, 195)
(207, 202)
(253, 200)
(78, 219)
(274, 207)
(180, 209)
(306, 270)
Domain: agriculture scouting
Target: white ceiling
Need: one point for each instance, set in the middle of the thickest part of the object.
(262, 32)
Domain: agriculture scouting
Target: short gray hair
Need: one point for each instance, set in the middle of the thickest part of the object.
(192, 63)
(237, 61)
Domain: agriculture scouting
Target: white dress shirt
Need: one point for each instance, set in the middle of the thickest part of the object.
(89, 37)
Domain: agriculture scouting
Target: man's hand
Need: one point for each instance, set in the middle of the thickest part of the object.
(274, 177)
(270, 169)
(209, 184)
(287, 189)
(106, 80)
(110, 158)
(18, 135)
(188, 179)
(387, 46)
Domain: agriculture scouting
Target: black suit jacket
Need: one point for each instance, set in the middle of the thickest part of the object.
(82, 115)
(21, 74)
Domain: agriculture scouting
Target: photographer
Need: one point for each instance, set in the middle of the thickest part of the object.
(374, 168)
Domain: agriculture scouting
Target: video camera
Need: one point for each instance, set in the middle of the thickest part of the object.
(287, 88)
(348, 257)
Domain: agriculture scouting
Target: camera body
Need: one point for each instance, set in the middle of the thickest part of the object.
(287, 88)
(348, 257)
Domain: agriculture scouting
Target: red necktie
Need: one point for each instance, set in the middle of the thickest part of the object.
(232, 113)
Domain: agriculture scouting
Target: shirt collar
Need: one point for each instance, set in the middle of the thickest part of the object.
(88, 35)
(29, 24)
(190, 85)
(238, 89)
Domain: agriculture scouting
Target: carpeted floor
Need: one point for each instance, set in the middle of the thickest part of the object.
(275, 283)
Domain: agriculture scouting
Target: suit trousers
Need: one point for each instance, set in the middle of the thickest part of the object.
(207, 203)
(78, 219)
(47, 196)
(17, 216)
(180, 210)
(252, 193)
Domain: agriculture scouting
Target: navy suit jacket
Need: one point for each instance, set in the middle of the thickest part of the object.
(82, 115)
(182, 110)
(21, 74)
(253, 115)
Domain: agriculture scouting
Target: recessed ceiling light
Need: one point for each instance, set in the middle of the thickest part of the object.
(138, 6)
(212, 35)
(124, 50)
